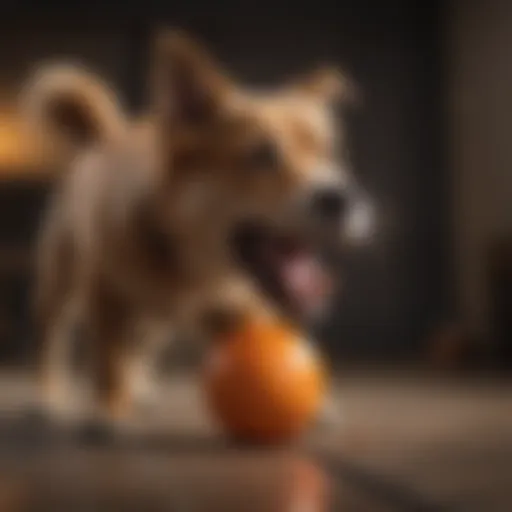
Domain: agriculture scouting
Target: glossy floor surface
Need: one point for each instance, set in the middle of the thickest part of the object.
(403, 443)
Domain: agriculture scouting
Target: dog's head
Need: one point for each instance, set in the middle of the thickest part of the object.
(267, 167)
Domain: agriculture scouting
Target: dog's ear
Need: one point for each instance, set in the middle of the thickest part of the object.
(328, 84)
(189, 86)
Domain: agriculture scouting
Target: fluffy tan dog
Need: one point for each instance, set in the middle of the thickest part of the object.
(213, 207)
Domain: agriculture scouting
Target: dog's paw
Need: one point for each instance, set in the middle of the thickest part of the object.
(146, 392)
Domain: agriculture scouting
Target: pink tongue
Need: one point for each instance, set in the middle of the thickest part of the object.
(306, 281)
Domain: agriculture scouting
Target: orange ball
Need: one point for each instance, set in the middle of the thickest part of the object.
(264, 383)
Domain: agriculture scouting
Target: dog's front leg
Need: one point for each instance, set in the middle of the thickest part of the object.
(115, 350)
(232, 302)
(152, 338)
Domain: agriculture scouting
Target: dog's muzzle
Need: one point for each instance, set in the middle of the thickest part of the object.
(344, 210)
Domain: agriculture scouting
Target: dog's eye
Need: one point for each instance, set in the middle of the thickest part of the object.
(263, 155)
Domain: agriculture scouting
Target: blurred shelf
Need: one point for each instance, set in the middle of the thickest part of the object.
(33, 174)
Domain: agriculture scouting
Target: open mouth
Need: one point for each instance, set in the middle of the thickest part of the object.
(287, 269)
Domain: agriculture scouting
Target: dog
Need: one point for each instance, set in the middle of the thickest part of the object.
(210, 209)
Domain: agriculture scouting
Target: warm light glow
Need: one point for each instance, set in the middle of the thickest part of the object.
(19, 151)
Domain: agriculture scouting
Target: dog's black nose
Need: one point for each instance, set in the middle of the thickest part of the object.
(329, 203)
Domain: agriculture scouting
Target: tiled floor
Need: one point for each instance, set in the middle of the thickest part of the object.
(404, 444)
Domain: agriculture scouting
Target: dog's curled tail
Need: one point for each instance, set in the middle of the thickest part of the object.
(68, 102)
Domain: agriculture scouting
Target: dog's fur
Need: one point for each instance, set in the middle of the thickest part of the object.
(137, 234)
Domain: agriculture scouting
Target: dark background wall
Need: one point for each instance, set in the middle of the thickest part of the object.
(397, 288)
